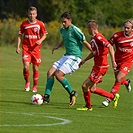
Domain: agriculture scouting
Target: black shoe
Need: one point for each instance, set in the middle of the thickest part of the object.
(128, 87)
(73, 96)
(46, 98)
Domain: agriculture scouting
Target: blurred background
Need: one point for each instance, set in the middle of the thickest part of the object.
(110, 15)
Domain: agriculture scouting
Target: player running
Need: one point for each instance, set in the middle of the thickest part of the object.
(69, 62)
(34, 32)
(123, 42)
(100, 47)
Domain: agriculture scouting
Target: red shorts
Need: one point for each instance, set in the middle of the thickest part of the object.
(124, 67)
(32, 57)
(97, 73)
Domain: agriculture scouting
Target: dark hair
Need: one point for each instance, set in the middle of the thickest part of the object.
(66, 15)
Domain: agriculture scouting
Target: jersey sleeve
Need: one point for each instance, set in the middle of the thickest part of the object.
(112, 39)
(79, 34)
(21, 29)
(43, 29)
(103, 41)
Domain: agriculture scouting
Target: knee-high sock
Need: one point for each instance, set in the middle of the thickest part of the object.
(116, 87)
(35, 77)
(26, 74)
(124, 82)
(65, 83)
(87, 97)
(49, 85)
(104, 93)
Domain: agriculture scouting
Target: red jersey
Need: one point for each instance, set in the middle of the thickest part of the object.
(100, 51)
(124, 47)
(32, 32)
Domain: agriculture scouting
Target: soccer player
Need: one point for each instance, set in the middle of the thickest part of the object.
(34, 32)
(100, 47)
(123, 42)
(72, 40)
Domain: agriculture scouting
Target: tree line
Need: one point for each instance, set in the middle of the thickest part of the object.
(107, 12)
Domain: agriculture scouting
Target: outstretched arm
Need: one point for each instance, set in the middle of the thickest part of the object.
(57, 46)
(86, 59)
(111, 51)
(87, 45)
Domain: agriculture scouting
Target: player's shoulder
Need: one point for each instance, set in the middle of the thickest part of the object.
(25, 22)
(40, 22)
(75, 28)
(117, 34)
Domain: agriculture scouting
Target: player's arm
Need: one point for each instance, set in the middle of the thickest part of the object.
(86, 59)
(58, 46)
(18, 44)
(87, 45)
(112, 55)
(41, 39)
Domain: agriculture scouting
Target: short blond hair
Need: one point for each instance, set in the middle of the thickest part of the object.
(32, 8)
(130, 21)
(93, 24)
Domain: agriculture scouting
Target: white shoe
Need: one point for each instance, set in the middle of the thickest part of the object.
(106, 103)
(27, 86)
(128, 87)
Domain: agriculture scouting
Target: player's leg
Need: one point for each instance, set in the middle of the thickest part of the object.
(69, 66)
(26, 58)
(35, 77)
(66, 84)
(26, 73)
(87, 95)
(49, 84)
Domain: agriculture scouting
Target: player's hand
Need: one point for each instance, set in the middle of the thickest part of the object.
(114, 65)
(18, 50)
(54, 48)
(81, 63)
(38, 42)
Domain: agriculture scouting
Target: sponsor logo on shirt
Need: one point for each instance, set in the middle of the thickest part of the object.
(31, 36)
(125, 50)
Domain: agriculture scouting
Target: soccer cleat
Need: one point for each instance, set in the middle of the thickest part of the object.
(128, 87)
(84, 108)
(115, 100)
(73, 96)
(46, 98)
(27, 86)
(106, 103)
(34, 89)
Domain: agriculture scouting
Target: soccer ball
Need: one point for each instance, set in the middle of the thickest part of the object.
(37, 99)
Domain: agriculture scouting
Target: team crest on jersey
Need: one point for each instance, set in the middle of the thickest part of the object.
(35, 29)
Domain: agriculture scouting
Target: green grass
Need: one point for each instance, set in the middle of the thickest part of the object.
(18, 115)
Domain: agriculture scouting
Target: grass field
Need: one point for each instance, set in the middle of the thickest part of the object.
(18, 115)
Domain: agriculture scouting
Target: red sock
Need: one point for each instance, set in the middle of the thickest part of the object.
(26, 74)
(87, 99)
(35, 77)
(116, 87)
(104, 93)
(124, 82)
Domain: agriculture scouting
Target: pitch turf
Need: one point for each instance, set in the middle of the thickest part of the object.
(18, 115)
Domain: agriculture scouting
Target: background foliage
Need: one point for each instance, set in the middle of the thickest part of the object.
(110, 15)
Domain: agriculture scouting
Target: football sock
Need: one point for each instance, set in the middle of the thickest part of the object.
(116, 87)
(49, 85)
(66, 85)
(104, 93)
(26, 74)
(124, 82)
(35, 77)
(87, 99)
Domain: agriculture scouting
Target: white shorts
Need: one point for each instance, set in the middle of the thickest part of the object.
(67, 64)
